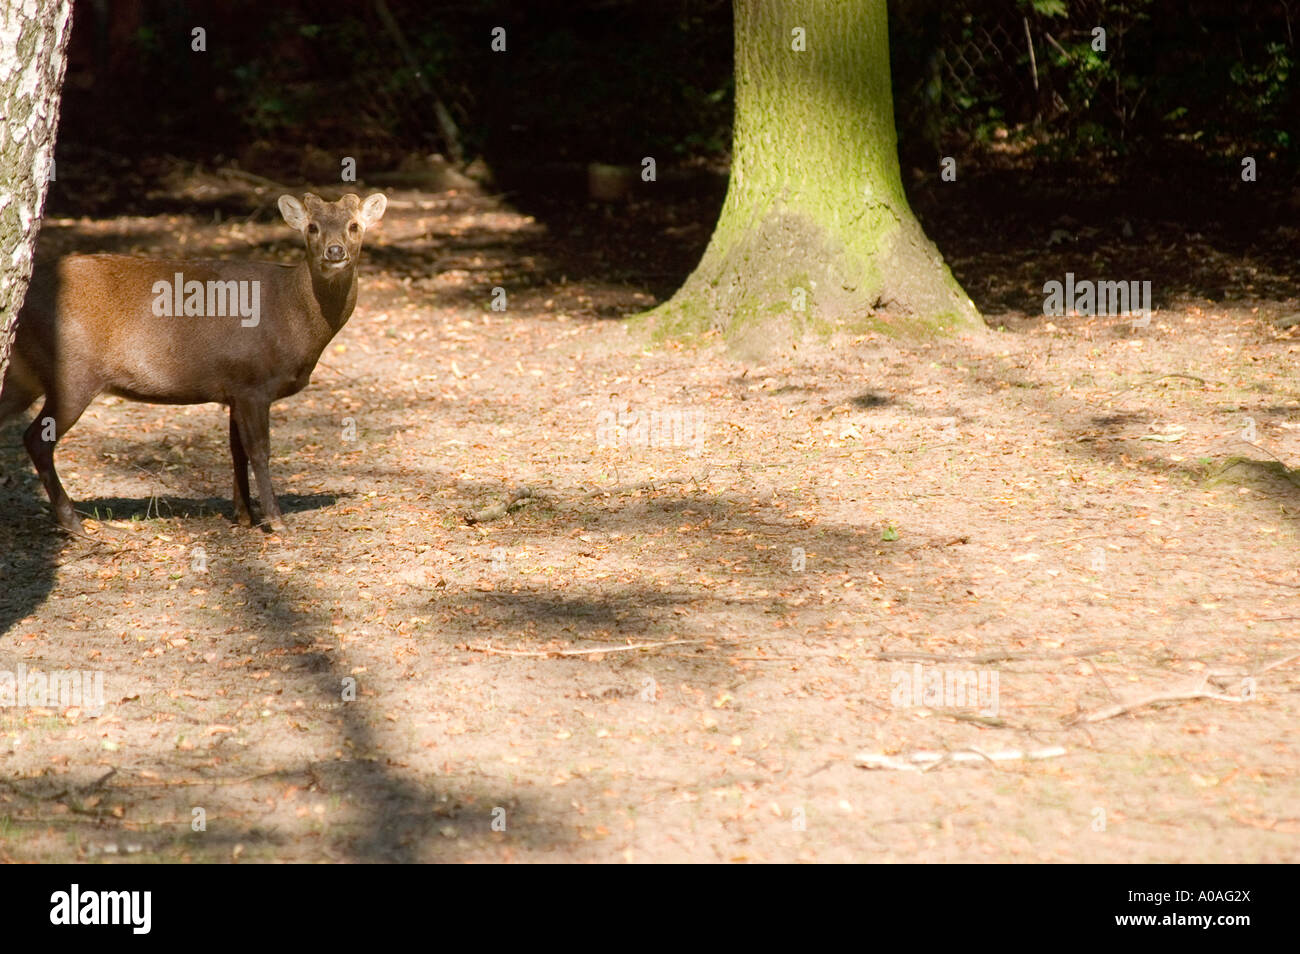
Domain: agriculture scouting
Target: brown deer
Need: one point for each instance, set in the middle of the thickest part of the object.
(243, 334)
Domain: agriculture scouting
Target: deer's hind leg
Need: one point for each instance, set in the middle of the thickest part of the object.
(55, 419)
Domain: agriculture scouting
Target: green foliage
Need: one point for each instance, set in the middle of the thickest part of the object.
(1048, 8)
(266, 112)
(615, 80)
(1215, 72)
(146, 41)
(1265, 86)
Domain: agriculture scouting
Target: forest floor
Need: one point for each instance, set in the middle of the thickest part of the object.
(678, 648)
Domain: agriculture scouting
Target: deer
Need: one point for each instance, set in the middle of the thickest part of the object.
(242, 334)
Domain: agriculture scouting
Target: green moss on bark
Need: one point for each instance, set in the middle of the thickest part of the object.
(815, 200)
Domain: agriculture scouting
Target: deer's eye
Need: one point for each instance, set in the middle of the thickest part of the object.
(354, 228)
(312, 228)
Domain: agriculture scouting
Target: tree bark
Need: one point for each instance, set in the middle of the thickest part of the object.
(33, 46)
(816, 234)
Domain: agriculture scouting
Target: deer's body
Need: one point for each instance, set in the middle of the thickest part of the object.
(170, 359)
(91, 325)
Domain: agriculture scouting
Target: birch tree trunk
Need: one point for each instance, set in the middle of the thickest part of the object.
(33, 46)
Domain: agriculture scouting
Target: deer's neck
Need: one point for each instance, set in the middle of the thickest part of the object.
(335, 294)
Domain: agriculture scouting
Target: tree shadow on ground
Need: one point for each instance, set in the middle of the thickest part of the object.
(1274, 479)
(399, 813)
(29, 543)
(85, 807)
(759, 569)
(170, 506)
(381, 813)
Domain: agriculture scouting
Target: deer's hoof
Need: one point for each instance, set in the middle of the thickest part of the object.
(277, 525)
(69, 521)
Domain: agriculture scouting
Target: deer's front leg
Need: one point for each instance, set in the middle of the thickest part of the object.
(243, 502)
(253, 421)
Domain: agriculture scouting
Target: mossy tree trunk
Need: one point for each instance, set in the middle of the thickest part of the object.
(815, 233)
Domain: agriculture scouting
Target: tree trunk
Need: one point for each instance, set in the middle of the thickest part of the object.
(815, 233)
(33, 44)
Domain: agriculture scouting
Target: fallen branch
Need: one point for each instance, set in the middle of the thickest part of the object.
(1220, 674)
(1174, 695)
(523, 494)
(650, 485)
(926, 761)
(983, 658)
(491, 651)
(526, 494)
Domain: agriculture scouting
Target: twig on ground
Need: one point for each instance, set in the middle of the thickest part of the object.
(98, 782)
(1276, 664)
(1097, 672)
(89, 539)
(62, 793)
(1085, 536)
(989, 722)
(1265, 450)
(1186, 377)
(329, 367)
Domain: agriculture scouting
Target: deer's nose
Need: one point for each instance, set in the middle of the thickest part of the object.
(335, 253)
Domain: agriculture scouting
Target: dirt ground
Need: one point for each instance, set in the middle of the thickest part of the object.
(1073, 514)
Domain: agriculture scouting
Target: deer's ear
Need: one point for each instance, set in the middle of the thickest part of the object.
(293, 212)
(372, 210)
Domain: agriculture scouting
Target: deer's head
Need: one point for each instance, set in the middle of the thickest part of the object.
(333, 230)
